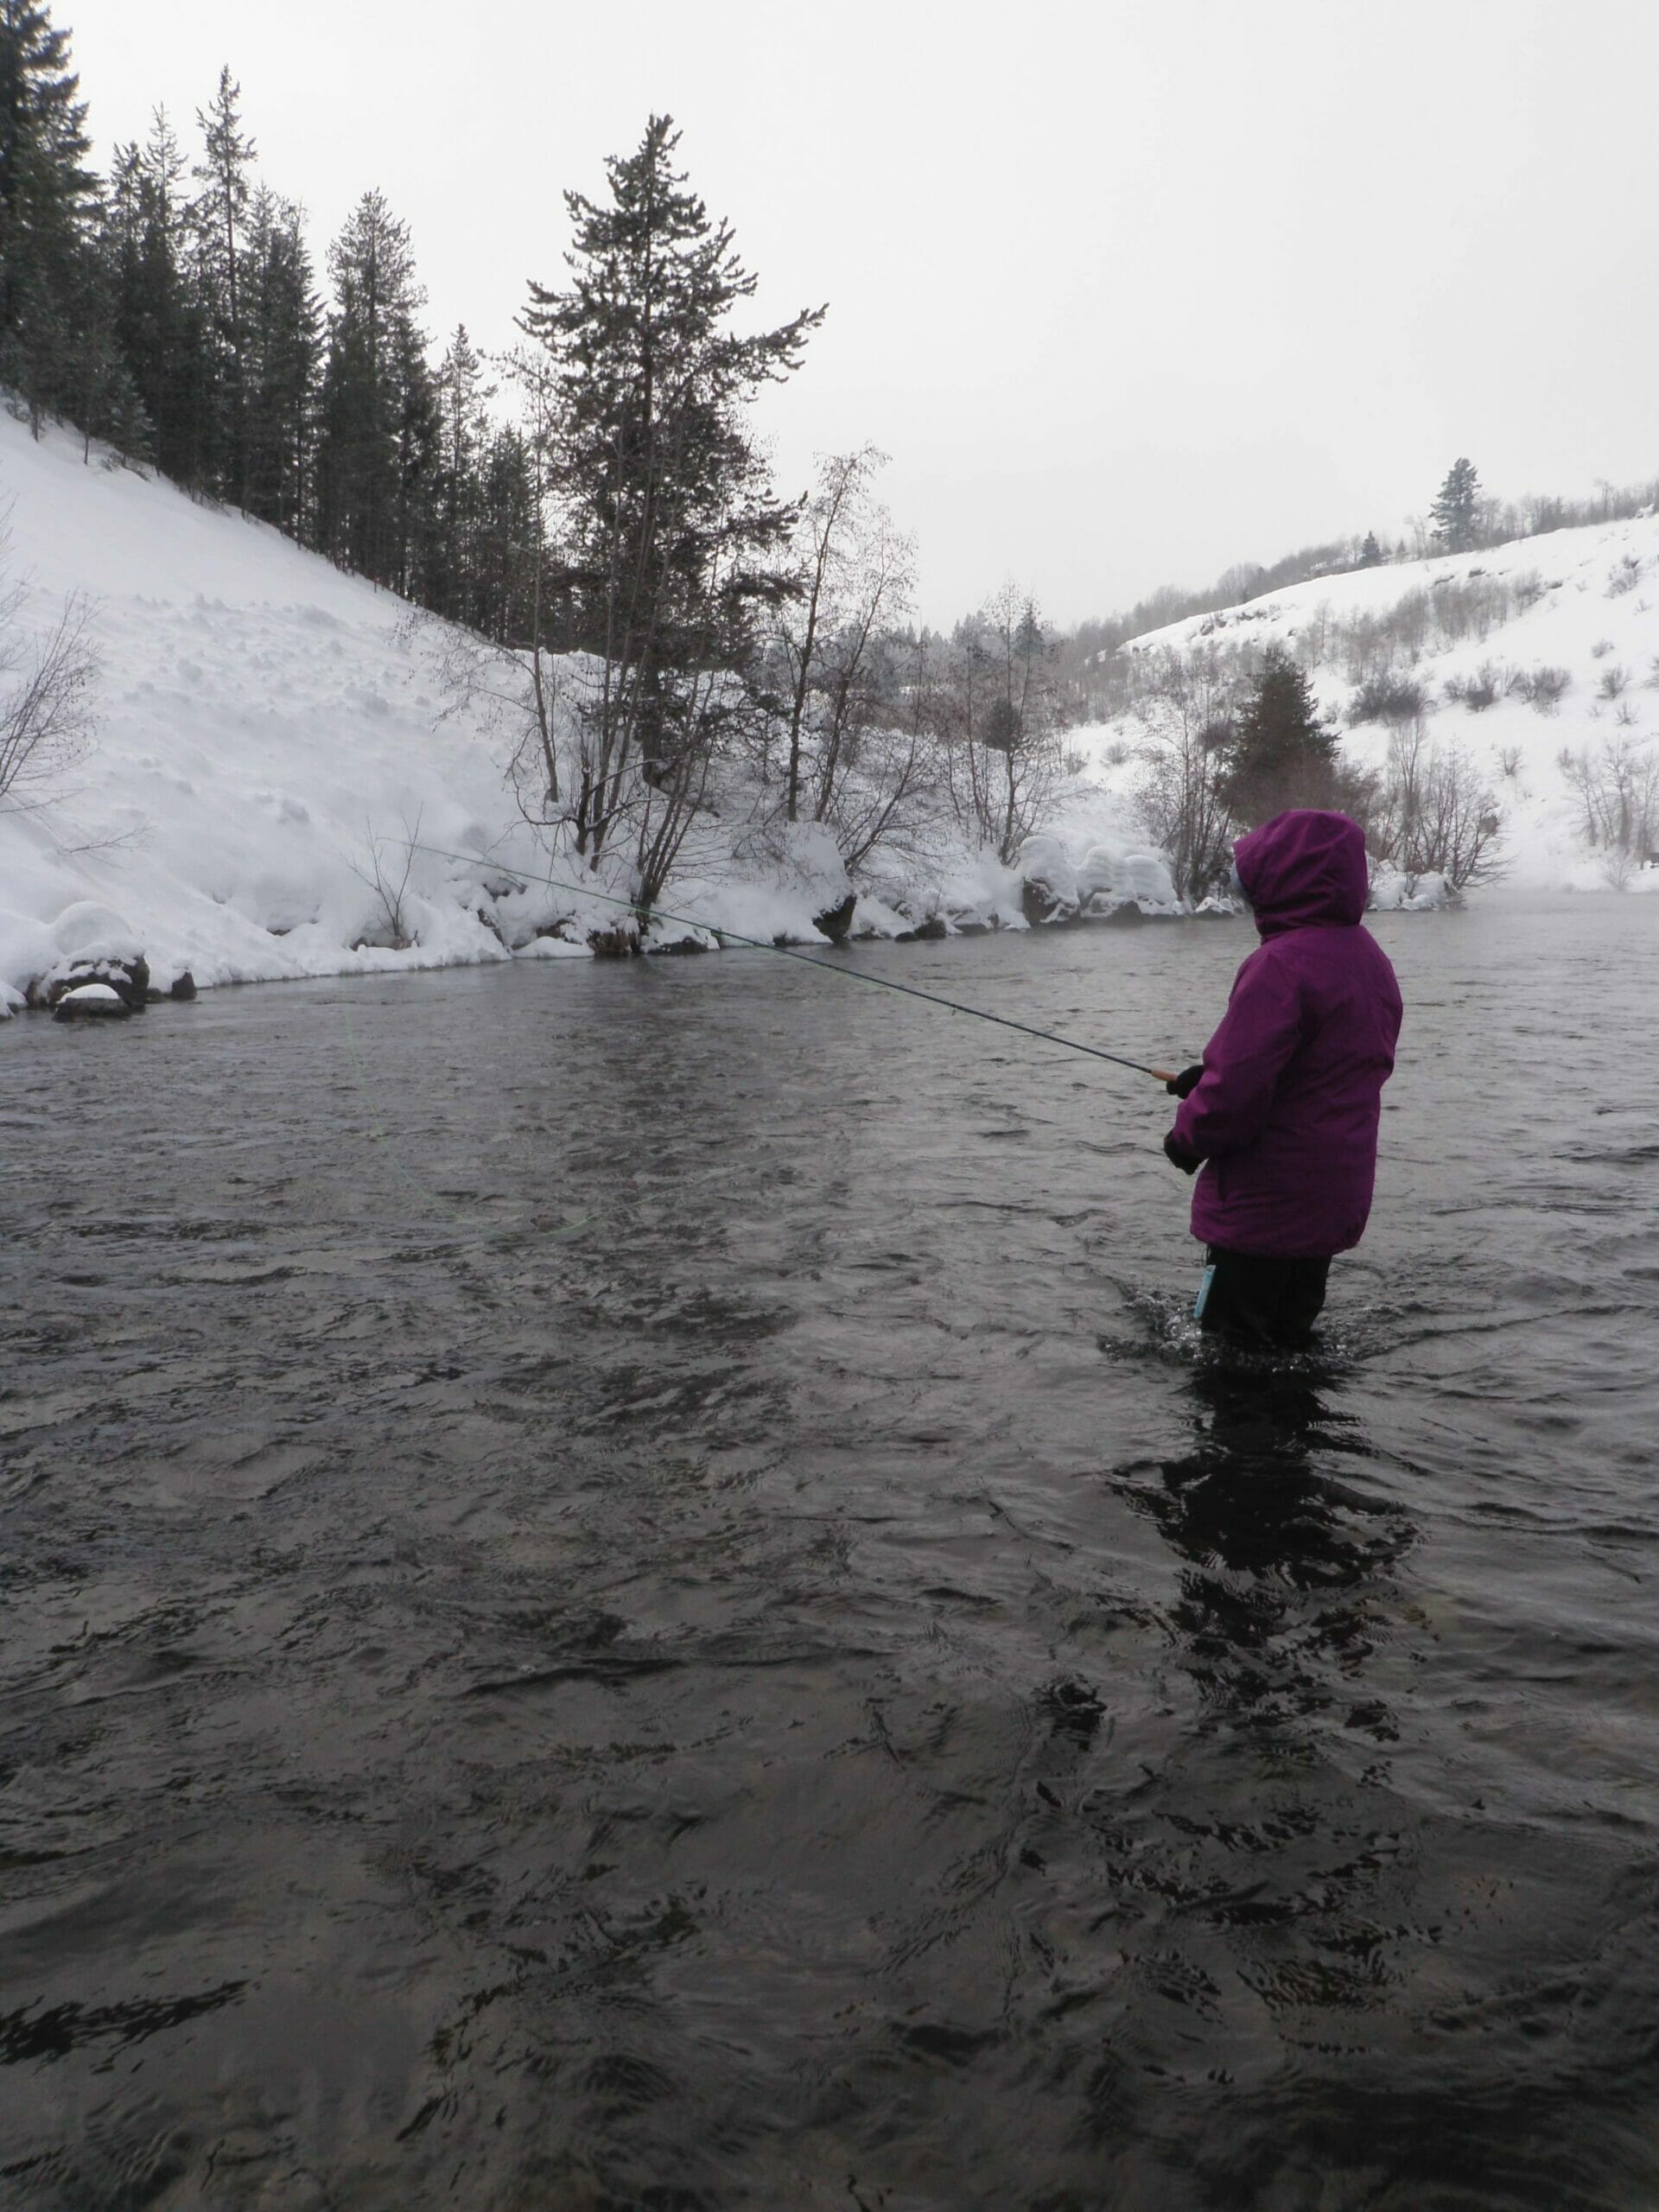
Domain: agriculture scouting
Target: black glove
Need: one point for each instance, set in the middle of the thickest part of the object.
(1179, 1085)
(1179, 1156)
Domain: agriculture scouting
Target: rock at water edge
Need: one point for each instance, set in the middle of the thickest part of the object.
(92, 1002)
(835, 921)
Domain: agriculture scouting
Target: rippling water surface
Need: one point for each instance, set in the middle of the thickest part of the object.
(624, 1587)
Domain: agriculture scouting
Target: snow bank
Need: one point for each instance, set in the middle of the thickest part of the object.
(1584, 601)
(272, 740)
(1095, 881)
(269, 737)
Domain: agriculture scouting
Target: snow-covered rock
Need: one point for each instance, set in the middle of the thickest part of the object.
(1049, 880)
(92, 1001)
(1393, 893)
(126, 974)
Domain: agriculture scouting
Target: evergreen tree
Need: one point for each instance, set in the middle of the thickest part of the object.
(1283, 751)
(283, 345)
(509, 580)
(463, 444)
(220, 216)
(160, 320)
(94, 383)
(1453, 511)
(378, 412)
(417, 560)
(1370, 553)
(47, 197)
(671, 524)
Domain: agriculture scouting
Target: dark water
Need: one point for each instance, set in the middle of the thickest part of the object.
(623, 1588)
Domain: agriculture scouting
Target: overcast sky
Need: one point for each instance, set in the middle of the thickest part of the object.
(1128, 292)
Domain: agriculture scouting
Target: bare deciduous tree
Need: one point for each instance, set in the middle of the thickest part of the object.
(847, 762)
(48, 683)
(1617, 787)
(997, 710)
(1435, 815)
(1185, 710)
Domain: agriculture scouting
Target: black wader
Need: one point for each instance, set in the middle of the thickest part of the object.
(1256, 1299)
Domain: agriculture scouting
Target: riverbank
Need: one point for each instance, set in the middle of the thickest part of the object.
(280, 784)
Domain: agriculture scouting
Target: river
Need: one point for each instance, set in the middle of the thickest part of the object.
(625, 1586)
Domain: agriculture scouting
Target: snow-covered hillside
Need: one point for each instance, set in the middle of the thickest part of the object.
(270, 732)
(261, 721)
(268, 729)
(1582, 602)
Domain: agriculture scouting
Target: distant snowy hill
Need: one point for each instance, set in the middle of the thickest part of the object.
(1581, 602)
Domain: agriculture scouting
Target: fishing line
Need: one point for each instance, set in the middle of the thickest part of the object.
(807, 960)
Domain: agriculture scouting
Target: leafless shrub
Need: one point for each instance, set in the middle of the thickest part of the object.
(1601, 650)
(1180, 796)
(1623, 576)
(1471, 605)
(1386, 697)
(855, 572)
(48, 684)
(1477, 692)
(1617, 869)
(1372, 645)
(1543, 689)
(993, 707)
(1508, 762)
(1613, 682)
(1116, 753)
(1616, 786)
(1529, 589)
(389, 881)
(1436, 815)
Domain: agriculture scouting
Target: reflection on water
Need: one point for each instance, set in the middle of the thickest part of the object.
(613, 1599)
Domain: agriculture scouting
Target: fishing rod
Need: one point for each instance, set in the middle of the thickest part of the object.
(807, 960)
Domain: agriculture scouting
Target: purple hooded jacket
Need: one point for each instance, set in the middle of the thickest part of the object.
(1285, 1118)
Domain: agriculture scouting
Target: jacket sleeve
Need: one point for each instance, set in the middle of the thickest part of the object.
(1243, 1061)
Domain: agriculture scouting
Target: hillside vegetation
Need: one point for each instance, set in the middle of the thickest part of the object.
(1534, 665)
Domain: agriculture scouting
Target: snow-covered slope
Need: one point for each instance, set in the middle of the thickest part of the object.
(268, 728)
(262, 722)
(1583, 600)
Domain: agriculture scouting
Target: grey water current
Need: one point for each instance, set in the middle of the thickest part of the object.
(626, 1587)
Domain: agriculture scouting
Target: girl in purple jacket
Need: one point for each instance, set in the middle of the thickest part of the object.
(1282, 1114)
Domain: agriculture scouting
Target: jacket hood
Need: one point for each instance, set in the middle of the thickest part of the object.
(1305, 869)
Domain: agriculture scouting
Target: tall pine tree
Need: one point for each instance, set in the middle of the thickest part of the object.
(670, 520)
(283, 350)
(375, 455)
(1454, 509)
(47, 200)
(463, 446)
(1283, 751)
(161, 318)
(220, 216)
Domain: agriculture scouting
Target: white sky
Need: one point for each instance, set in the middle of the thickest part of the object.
(1129, 290)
